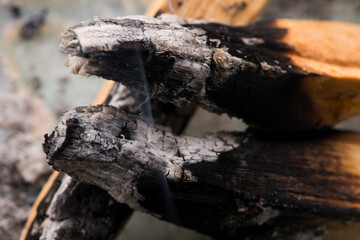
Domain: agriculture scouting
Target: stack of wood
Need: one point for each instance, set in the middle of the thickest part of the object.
(288, 176)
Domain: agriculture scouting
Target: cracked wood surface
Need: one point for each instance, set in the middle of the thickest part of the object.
(228, 184)
(270, 74)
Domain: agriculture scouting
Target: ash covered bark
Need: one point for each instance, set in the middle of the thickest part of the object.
(228, 185)
(224, 69)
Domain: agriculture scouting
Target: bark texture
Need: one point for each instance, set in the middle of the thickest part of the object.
(226, 185)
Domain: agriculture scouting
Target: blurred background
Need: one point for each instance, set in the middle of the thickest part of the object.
(36, 88)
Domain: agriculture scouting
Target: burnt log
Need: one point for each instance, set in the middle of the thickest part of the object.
(228, 185)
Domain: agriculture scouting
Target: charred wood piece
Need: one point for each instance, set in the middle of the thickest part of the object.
(228, 185)
(255, 72)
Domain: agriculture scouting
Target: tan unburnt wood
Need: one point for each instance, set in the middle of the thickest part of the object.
(231, 12)
(330, 51)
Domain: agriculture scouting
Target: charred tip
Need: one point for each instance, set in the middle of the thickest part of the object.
(52, 145)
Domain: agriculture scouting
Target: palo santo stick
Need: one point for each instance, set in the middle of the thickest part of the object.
(226, 185)
(261, 72)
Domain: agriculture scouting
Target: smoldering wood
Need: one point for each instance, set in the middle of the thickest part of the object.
(226, 185)
(242, 71)
(131, 102)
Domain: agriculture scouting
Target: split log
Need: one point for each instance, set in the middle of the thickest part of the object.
(274, 75)
(228, 185)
